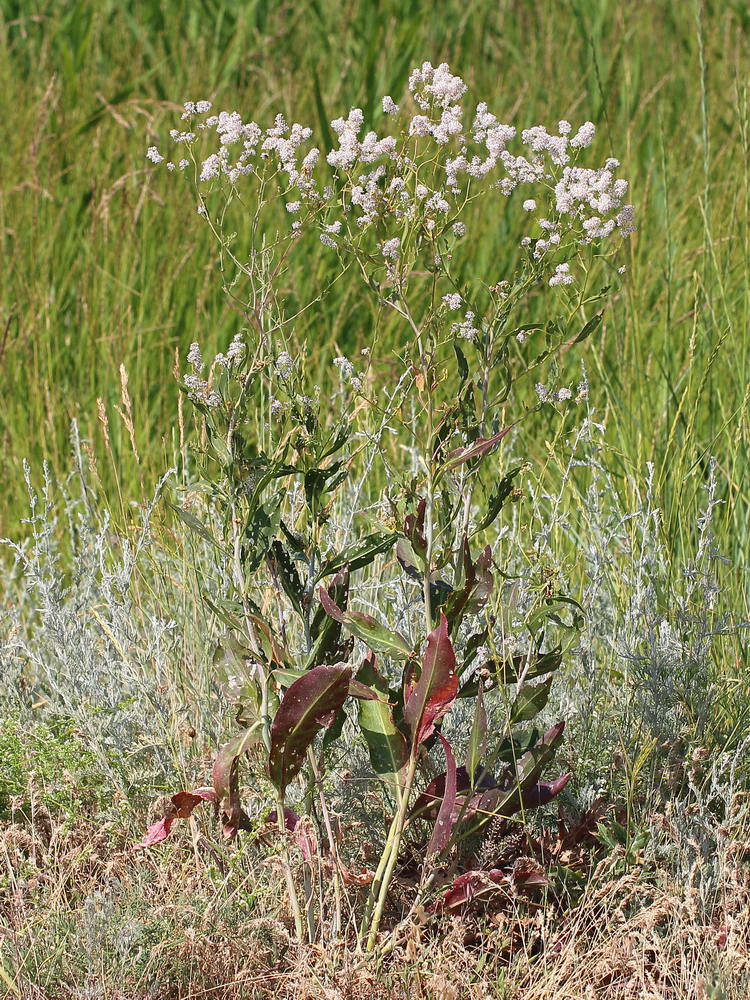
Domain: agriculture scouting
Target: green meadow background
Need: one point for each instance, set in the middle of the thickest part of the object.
(105, 262)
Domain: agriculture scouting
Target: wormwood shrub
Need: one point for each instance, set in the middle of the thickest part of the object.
(300, 659)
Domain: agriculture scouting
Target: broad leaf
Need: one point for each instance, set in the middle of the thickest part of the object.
(310, 704)
(530, 701)
(182, 806)
(368, 629)
(387, 745)
(360, 554)
(433, 694)
(544, 791)
(503, 489)
(507, 799)
(475, 450)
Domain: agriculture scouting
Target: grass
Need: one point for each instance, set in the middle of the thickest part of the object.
(106, 265)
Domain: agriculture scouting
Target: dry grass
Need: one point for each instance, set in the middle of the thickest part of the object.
(85, 915)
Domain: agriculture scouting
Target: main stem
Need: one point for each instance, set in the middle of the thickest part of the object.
(390, 856)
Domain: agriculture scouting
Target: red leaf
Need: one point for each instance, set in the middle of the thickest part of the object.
(445, 821)
(291, 819)
(437, 687)
(183, 804)
(157, 832)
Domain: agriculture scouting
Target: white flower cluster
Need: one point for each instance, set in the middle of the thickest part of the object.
(418, 181)
(235, 353)
(281, 143)
(467, 328)
(348, 374)
(561, 395)
(199, 389)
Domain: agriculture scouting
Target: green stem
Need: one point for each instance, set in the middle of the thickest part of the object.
(292, 889)
(393, 846)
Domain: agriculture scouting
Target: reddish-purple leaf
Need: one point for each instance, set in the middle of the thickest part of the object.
(182, 806)
(544, 791)
(506, 800)
(463, 890)
(445, 821)
(477, 448)
(428, 803)
(225, 777)
(291, 819)
(435, 691)
(478, 885)
(157, 832)
(308, 705)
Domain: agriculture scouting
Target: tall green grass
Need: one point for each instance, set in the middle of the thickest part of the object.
(104, 263)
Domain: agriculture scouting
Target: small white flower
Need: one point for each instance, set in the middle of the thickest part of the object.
(391, 249)
(564, 127)
(621, 270)
(562, 394)
(529, 205)
(153, 154)
(562, 275)
(327, 241)
(584, 136)
(389, 106)
(459, 229)
(542, 392)
(195, 357)
(294, 206)
(284, 365)
(453, 300)
(345, 367)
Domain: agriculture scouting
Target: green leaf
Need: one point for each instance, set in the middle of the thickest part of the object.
(282, 566)
(225, 777)
(386, 744)
(368, 629)
(589, 328)
(530, 701)
(233, 665)
(310, 704)
(503, 489)
(195, 525)
(360, 554)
